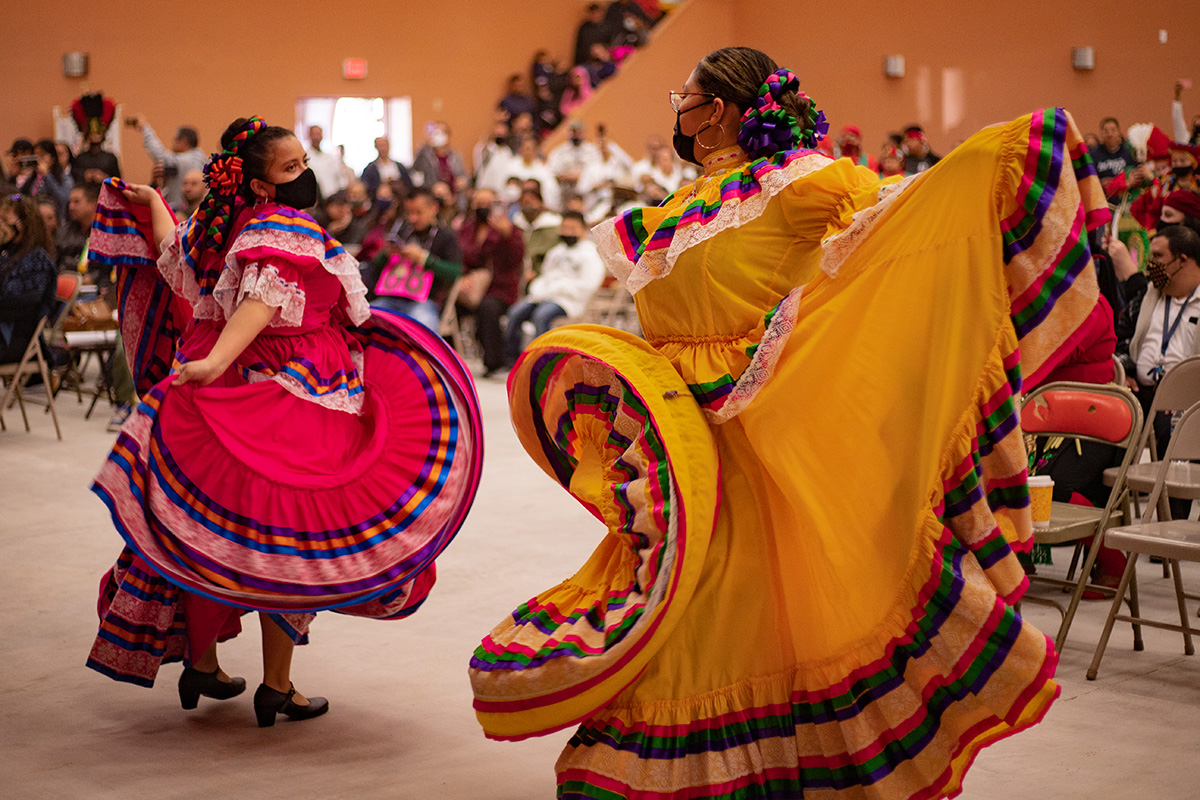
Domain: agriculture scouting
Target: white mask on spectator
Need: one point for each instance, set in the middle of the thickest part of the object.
(439, 139)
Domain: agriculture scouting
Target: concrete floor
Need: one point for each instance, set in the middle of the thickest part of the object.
(401, 724)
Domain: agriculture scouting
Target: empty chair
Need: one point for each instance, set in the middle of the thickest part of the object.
(1171, 540)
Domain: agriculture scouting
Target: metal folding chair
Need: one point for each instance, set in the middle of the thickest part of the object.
(1172, 540)
(18, 372)
(1085, 412)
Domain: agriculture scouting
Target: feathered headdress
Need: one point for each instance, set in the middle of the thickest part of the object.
(93, 113)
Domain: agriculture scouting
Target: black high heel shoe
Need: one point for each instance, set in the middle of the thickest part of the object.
(268, 703)
(193, 683)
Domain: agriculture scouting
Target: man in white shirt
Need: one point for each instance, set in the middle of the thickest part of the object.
(569, 159)
(571, 273)
(1168, 318)
(184, 156)
(326, 166)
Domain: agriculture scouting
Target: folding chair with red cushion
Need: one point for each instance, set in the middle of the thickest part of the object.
(1083, 412)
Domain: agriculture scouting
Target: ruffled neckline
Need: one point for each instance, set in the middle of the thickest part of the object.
(642, 244)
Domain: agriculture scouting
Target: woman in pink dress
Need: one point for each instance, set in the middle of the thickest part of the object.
(293, 451)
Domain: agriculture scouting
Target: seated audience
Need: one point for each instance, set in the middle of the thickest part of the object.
(539, 227)
(849, 145)
(438, 161)
(577, 91)
(516, 100)
(571, 273)
(414, 271)
(1113, 156)
(73, 235)
(568, 160)
(594, 29)
(28, 280)
(493, 253)
(384, 169)
(920, 157)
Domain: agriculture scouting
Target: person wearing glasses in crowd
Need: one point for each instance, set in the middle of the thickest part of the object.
(846, 623)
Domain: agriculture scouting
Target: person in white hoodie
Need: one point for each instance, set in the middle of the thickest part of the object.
(571, 272)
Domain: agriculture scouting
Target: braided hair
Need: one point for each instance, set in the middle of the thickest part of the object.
(247, 145)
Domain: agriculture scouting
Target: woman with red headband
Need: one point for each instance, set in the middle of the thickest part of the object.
(293, 451)
(810, 470)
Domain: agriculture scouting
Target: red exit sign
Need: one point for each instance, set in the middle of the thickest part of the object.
(354, 68)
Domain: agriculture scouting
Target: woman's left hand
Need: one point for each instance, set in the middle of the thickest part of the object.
(139, 194)
(202, 372)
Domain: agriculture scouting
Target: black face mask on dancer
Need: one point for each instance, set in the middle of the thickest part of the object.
(685, 146)
(300, 192)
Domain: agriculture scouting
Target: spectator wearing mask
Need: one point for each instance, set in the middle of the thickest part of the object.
(569, 159)
(1113, 156)
(493, 251)
(384, 169)
(920, 157)
(1147, 208)
(593, 30)
(571, 273)
(184, 156)
(73, 236)
(1180, 208)
(326, 166)
(193, 190)
(850, 146)
(527, 166)
(492, 156)
(437, 161)
(28, 279)
(539, 228)
(420, 263)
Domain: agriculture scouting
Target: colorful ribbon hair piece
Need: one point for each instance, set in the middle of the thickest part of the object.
(768, 128)
(223, 175)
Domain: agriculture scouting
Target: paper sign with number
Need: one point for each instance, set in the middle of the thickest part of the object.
(402, 278)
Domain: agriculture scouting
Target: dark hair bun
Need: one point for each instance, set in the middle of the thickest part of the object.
(233, 130)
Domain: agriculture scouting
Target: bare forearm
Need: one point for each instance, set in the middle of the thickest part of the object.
(161, 219)
(245, 324)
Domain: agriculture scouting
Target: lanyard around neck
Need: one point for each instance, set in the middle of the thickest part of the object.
(1168, 333)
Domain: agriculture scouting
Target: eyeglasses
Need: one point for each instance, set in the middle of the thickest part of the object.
(677, 99)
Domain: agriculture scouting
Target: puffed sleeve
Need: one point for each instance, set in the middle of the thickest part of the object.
(268, 262)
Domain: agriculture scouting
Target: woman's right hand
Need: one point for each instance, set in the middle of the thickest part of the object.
(139, 194)
(202, 372)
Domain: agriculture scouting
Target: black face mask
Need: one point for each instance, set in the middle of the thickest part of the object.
(500, 141)
(481, 215)
(300, 192)
(685, 146)
(1182, 172)
(576, 140)
(569, 241)
(1162, 226)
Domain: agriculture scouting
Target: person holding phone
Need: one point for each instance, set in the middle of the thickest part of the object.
(421, 261)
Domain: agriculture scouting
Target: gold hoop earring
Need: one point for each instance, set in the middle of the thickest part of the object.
(709, 128)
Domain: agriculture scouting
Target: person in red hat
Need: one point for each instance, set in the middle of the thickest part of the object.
(93, 114)
(850, 146)
(1147, 208)
(920, 157)
(1181, 207)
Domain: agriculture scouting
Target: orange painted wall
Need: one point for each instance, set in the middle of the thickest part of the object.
(203, 64)
(965, 68)
(190, 64)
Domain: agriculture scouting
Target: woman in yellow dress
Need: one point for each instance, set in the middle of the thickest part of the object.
(810, 470)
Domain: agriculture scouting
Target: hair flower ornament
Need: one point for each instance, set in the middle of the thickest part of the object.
(223, 174)
(768, 127)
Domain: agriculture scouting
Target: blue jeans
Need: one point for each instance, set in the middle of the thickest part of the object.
(425, 312)
(542, 314)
